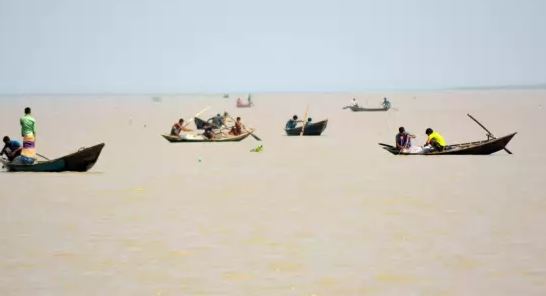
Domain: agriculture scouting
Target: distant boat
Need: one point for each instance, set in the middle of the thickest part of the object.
(313, 129)
(226, 96)
(221, 138)
(248, 104)
(80, 161)
(484, 147)
(360, 109)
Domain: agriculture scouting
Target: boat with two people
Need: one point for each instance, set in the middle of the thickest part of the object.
(385, 106)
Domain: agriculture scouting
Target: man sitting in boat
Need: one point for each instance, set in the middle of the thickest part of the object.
(208, 133)
(386, 104)
(403, 139)
(238, 128)
(179, 127)
(292, 123)
(309, 121)
(218, 120)
(11, 148)
(354, 103)
(435, 141)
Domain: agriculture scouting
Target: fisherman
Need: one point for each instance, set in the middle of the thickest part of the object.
(218, 120)
(435, 140)
(292, 123)
(354, 103)
(403, 139)
(208, 133)
(309, 121)
(179, 127)
(386, 104)
(11, 148)
(28, 131)
(238, 128)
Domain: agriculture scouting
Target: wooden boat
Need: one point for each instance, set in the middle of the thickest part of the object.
(219, 138)
(484, 147)
(314, 129)
(360, 109)
(244, 105)
(80, 161)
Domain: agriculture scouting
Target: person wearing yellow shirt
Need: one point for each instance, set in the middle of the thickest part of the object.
(435, 140)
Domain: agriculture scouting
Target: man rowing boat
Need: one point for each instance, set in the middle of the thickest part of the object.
(179, 127)
(11, 148)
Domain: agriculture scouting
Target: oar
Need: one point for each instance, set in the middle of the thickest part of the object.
(304, 120)
(42, 156)
(488, 132)
(196, 115)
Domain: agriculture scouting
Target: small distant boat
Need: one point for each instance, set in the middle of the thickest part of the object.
(244, 105)
(201, 139)
(248, 104)
(80, 161)
(360, 109)
(314, 129)
(484, 147)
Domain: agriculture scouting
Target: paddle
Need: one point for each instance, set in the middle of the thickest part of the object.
(42, 156)
(196, 115)
(489, 134)
(304, 120)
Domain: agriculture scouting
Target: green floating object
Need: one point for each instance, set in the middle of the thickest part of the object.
(259, 148)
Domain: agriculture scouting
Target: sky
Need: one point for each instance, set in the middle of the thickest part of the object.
(168, 46)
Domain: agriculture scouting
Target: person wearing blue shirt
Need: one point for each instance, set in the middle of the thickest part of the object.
(292, 123)
(11, 148)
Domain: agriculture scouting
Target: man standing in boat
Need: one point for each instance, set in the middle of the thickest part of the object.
(435, 140)
(179, 127)
(28, 131)
(403, 139)
(11, 148)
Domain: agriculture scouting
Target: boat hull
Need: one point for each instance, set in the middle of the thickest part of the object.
(484, 147)
(176, 139)
(314, 129)
(361, 109)
(80, 161)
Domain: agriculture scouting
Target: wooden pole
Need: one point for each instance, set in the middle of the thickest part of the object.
(489, 134)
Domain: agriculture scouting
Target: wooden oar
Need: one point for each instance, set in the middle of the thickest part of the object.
(304, 120)
(42, 156)
(196, 115)
(489, 134)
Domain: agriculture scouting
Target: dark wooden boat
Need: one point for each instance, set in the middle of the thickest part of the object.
(80, 161)
(220, 138)
(484, 147)
(314, 129)
(360, 109)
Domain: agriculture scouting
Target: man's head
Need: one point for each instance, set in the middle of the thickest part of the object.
(295, 117)
(181, 120)
(309, 119)
(27, 110)
(401, 129)
(238, 118)
(6, 139)
(428, 131)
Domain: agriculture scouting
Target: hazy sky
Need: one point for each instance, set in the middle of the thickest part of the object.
(70, 46)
